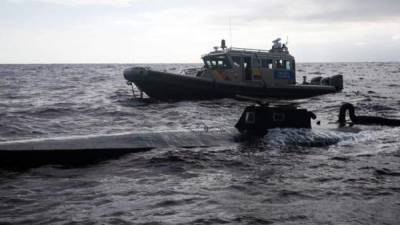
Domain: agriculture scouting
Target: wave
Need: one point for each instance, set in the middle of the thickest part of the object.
(311, 138)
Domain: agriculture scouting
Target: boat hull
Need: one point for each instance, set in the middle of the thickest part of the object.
(168, 86)
(85, 150)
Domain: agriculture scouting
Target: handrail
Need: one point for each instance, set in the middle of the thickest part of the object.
(248, 49)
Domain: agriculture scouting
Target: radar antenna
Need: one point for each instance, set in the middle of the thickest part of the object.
(277, 43)
(223, 44)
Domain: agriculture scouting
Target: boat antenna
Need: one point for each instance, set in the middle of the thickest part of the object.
(287, 40)
(230, 31)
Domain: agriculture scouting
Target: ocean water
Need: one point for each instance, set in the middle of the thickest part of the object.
(325, 175)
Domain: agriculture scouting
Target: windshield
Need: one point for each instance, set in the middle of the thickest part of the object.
(217, 62)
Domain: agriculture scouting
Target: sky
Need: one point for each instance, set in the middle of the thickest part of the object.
(180, 31)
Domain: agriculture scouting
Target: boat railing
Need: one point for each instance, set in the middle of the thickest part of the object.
(282, 50)
(248, 49)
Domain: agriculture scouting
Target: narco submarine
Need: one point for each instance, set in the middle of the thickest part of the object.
(229, 72)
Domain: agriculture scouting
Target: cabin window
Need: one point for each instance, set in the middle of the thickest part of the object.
(278, 117)
(288, 65)
(237, 61)
(266, 63)
(250, 117)
(217, 62)
(279, 64)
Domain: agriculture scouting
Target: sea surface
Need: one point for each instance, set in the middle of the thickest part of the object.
(327, 175)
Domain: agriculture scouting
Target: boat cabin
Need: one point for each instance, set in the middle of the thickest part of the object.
(273, 67)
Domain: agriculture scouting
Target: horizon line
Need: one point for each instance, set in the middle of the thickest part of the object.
(154, 63)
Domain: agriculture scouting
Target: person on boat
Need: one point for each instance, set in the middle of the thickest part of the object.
(247, 69)
(278, 64)
(284, 48)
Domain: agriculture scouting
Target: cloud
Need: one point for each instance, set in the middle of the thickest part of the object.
(261, 10)
(149, 30)
(321, 10)
(119, 3)
(361, 43)
(356, 10)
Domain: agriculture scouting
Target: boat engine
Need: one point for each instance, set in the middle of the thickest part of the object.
(257, 119)
(335, 81)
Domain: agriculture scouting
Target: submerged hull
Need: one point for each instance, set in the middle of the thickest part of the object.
(90, 149)
(168, 86)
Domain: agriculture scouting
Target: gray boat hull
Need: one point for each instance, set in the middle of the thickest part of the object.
(90, 149)
(168, 86)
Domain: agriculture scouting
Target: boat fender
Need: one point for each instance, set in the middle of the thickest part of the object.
(365, 120)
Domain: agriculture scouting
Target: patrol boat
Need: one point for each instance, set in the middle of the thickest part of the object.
(228, 72)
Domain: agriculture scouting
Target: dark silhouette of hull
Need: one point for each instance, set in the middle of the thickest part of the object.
(168, 86)
(364, 120)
